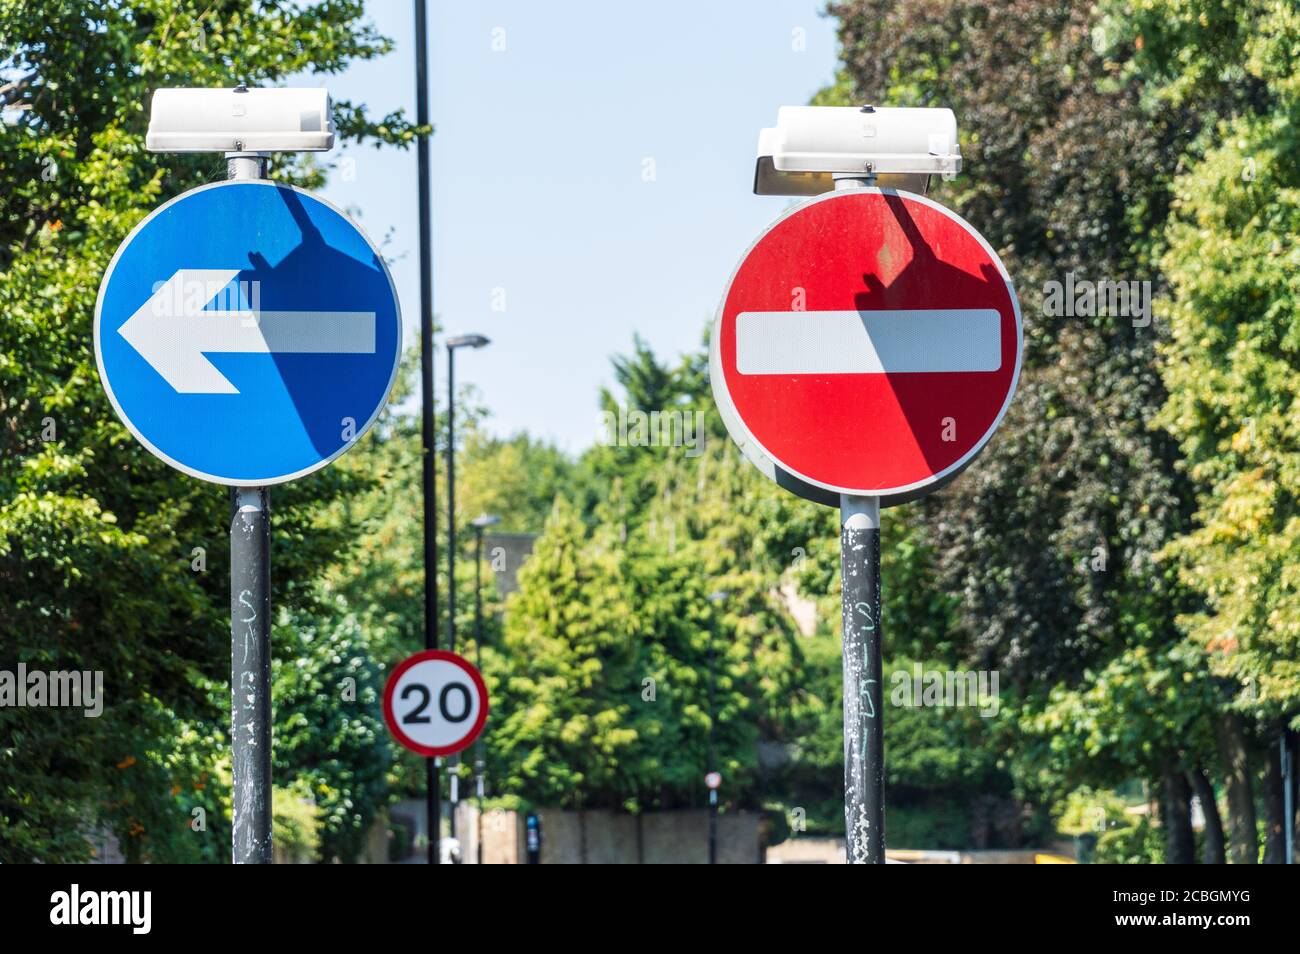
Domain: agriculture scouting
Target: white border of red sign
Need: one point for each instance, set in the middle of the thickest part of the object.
(469, 669)
(805, 486)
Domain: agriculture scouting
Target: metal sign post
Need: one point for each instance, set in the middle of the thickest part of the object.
(1288, 795)
(864, 736)
(247, 333)
(250, 675)
(864, 730)
(250, 645)
(866, 349)
(713, 781)
(433, 791)
(453, 344)
(435, 704)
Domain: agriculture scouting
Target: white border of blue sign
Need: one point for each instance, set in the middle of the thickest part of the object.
(212, 478)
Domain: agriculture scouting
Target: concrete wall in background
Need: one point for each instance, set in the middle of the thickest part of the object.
(605, 837)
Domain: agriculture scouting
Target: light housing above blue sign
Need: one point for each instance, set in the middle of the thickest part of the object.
(247, 332)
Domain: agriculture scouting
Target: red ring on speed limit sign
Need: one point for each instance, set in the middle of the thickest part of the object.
(427, 707)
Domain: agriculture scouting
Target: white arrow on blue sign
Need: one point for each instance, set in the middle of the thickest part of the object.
(247, 333)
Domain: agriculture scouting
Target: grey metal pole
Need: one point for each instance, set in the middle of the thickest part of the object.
(451, 498)
(453, 775)
(478, 664)
(245, 165)
(250, 675)
(713, 792)
(250, 643)
(864, 741)
(864, 756)
(1288, 796)
(717, 598)
(433, 791)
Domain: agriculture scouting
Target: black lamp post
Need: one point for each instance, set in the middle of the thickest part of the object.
(713, 779)
(430, 514)
(480, 524)
(459, 341)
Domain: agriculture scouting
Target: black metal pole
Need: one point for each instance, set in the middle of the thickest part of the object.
(451, 498)
(713, 792)
(453, 771)
(426, 399)
(250, 675)
(250, 644)
(479, 764)
(478, 597)
(1288, 796)
(864, 795)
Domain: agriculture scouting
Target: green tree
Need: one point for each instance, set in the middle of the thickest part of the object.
(1053, 543)
(329, 734)
(1230, 364)
(562, 723)
(701, 565)
(98, 538)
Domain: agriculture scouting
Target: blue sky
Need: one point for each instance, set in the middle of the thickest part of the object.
(591, 180)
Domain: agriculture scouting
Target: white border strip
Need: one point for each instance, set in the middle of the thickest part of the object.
(868, 342)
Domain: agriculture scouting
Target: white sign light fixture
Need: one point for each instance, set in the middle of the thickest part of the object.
(811, 146)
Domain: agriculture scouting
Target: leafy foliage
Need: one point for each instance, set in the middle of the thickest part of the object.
(97, 537)
(329, 735)
(1231, 362)
(1054, 544)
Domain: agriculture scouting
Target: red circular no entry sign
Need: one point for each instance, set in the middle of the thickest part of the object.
(868, 344)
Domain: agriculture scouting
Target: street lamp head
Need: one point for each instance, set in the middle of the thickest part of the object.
(718, 596)
(468, 341)
(483, 521)
(899, 147)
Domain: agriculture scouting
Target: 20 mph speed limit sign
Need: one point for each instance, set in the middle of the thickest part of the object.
(435, 703)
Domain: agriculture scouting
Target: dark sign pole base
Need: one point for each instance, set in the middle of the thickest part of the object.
(433, 811)
(432, 793)
(250, 675)
(864, 768)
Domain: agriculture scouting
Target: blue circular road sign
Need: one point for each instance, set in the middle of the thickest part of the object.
(247, 332)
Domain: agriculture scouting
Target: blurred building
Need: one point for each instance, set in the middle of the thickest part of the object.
(505, 553)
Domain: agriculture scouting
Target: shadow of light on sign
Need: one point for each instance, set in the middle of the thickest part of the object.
(317, 275)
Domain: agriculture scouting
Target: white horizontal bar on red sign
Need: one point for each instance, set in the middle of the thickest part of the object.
(868, 342)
